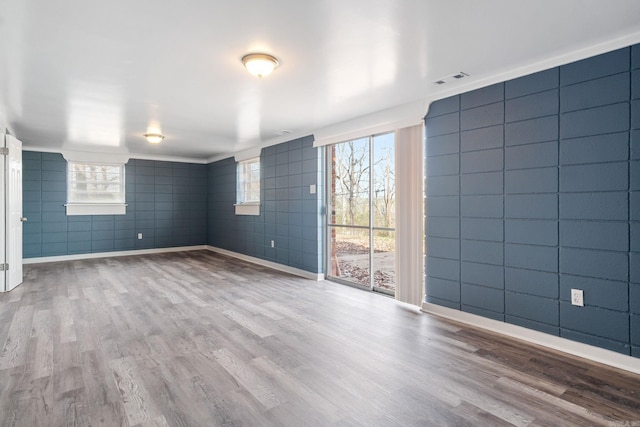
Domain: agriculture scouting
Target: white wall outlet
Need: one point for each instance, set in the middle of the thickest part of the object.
(273, 244)
(577, 297)
(139, 236)
(312, 189)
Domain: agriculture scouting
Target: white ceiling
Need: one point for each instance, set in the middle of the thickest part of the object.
(96, 75)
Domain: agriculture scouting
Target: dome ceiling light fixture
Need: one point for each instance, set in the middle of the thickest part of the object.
(154, 138)
(260, 64)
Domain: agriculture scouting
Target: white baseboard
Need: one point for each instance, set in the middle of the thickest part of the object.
(112, 254)
(585, 351)
(270, 264)
(253, 260)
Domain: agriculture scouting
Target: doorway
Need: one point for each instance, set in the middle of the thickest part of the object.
(11, 207)
(361, 220)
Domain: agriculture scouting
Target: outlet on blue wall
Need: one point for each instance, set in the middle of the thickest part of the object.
(533, 188)
(183, 204)
(290, 215)
(166, 202)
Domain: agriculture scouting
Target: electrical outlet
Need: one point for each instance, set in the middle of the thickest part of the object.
(577, 297)
(273, 244)
(139, 236)
(312, 189)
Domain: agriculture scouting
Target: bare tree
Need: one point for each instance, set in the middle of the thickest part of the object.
(96, 180)
(351, 165)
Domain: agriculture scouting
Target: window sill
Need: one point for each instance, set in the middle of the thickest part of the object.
(96, 209)
(247, 209)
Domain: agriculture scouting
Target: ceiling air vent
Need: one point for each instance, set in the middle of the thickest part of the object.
(447, 79)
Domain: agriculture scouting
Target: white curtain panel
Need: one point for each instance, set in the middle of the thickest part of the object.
(409, 215)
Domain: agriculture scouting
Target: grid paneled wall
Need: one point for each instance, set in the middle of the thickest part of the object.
(533, 188)
(290, 215)
(166, 203)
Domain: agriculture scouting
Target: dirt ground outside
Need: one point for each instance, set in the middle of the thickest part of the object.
(352, 253)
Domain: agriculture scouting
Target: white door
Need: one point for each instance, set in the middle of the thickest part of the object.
(13, 209)
(3, 222)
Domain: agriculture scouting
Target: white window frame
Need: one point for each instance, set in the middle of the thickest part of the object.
(95, 206)
(247, 195)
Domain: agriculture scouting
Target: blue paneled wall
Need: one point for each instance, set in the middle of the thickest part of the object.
(289, 214)
(183, 204)
(166, 203)
(533, 188)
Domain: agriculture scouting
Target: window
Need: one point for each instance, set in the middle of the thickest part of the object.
(249, 181)
(95, 188)
(248, 187)
(362, 203)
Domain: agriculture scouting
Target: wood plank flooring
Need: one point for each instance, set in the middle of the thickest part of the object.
(199, 339)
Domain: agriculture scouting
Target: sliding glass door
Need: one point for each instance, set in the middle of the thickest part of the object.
(361, 220)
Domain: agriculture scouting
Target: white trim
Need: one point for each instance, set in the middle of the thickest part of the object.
(219, 157)
(403, 121)
(383, 121)
(95, 157)
(74, 257)
(273, 265)
(248, 154)
(270, 264)
(42, 149)
(249, 208)
(585, 351)
(288, 137)
(136, 156)
(96, 209)
(546, 64)
(178, 159)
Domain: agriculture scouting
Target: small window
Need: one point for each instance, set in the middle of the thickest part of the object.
(95, 189)
(248, 189)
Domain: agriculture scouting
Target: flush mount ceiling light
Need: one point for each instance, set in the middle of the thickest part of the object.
(154, 138)
(259, 64)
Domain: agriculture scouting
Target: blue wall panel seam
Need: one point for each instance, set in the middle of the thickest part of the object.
(574, 262)
(558, 155)
(562, 113)
(629, 186)
(460, 202)
(537, 117)
(504, 191)
(593, 79)
(481, 105)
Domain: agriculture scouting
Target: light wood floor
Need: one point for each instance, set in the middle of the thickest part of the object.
(197, 339)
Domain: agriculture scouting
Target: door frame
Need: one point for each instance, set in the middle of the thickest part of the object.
(11, 213)
(3, 214)
(371, 227)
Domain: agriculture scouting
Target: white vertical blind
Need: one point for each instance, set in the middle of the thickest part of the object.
(409, 215)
